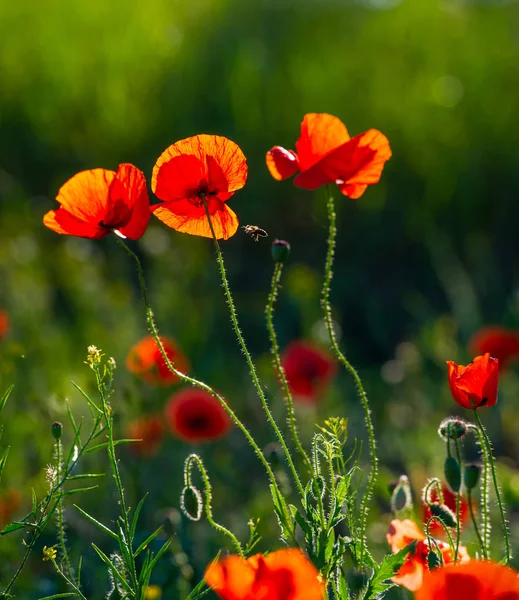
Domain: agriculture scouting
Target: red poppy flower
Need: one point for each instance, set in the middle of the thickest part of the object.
(150, 430)
(327, 154)
(94, 203)
(195, 416)
(202, 168)
(449, 500)
(145, 360)
(475, 385)
(308, 370)
(9, 504)
(410, 575)
(499, 342)
(475, 580)
(4, 323)
(283, 575)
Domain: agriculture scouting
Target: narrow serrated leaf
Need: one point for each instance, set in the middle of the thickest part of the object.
(4, 397)
(85, 476)
(71, 418)
(12, 527)
(102, 527)
(147, 541)
(136, 514)
(92, 404)
(79, 490)
(113, 568)
(3, 460)
(105, 444)
(159, 555)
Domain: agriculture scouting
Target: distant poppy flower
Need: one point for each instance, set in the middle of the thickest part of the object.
(196, 416)
(283, 575)
(98, 202)
(410, 574)
(150, 430)
(4, 323)
(499, 342)
(475, 385)
(146, 361)
(203, 168)
(449, 500)
(9, 504)
(327, 154)
(474, 580)
(308, 370)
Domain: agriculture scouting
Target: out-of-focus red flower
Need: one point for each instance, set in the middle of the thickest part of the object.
(150, 430)
(145, 360)
(9, 504)
(203, 167)
(449, 500)
(475, 385)
(499, 342)
(283, 575)
(196, 416)
(308, 370)
(410, 574)
(97, 202)
(4, 323)
(327, 154)
(474, 580)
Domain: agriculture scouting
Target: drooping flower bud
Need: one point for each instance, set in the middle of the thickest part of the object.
(471, 476)
(452, 428)
(280, 250)
(452, 472)
(444, 513)
(56, 430)
(432, 560)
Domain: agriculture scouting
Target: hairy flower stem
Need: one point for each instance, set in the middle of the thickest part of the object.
(475, 523)
(61, 522)
(278, 367)
(325, 303)
(485, 496)
(458, 503)
(195, 382)
(245, 350)
(490, 459)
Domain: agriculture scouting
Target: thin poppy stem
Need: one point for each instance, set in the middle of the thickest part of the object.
(278, 367)
(458, 503)
(475, 523)
(59, 512)
(490, 458)
(445, 529)
(484, 496)
(195, 382)
(243, 346)
(325, 303)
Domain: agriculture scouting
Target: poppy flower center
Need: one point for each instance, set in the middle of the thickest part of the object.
(196, 197)
(197, 422)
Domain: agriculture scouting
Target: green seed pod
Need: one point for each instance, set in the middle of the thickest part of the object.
(444, 513)
(401, 498)
(452, 472)
(280, 250)
(56, 430)
(471, 476)
(432, 560)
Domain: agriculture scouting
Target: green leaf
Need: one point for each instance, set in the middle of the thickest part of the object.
(328, 550)
(79, 490)
(6, 395)
(71, 418)
(136, 514)
(85, 476)
(158, 556)
(97, 523)
(105, 444)
(3, 460)
(13, 527)
(64, 595)
(34, 501)
(387, 569)
(147, 541)
(113, 569)
(87, 398)
(300, 520)
(198, 591)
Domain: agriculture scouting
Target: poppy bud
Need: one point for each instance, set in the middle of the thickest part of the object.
(452, 428)
(280, 250)
(452, 472)
(191, 503)
(432, 560)
(56, 429)
(444, 513)
(401, 498)
(471, 476)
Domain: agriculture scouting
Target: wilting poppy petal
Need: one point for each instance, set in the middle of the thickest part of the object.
(4, 323)
(308, 370)
(150, 430)
(96, 202)
(281, 163)
(474, 580)
(320, 134)
(476, 384)
(449, 500)
(283, 575)
(146, 361)
(196, 416)
(499, 342)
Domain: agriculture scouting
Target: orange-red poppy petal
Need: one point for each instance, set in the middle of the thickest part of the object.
(183, 216)
(305, 583)
(281, 163)
(61, 221)
(129, 196)
(231, 578)
(320, 134)
(499, 342)
(214, 157)
(85, 195)
(476, 384)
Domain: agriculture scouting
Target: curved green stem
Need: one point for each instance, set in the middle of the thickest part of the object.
(445, 528)
(490, 458)
(245, 350)
(278, 367)
(195, 382)
(325, 303)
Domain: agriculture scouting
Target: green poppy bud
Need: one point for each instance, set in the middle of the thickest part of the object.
(471, 476)
(452, 472)
(280, 250)
(56, 430)
(444, 513)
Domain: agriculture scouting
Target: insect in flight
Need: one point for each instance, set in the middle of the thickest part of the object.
(255, 232)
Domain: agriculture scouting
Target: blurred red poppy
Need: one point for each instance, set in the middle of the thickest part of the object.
(196, 416)
(203, 168)
(499, 342)
(475, 385)
(327, 154)
(9, 503)
(145, 360)
(98, 202)
(449, 500)
(474, 580)
(283, 575)
(410, 575)
(150, 430)
(308, 369)
(4, 323)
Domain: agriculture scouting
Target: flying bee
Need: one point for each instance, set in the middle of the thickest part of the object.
(255, 232)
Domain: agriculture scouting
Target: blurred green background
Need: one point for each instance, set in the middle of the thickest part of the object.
(424, 258)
